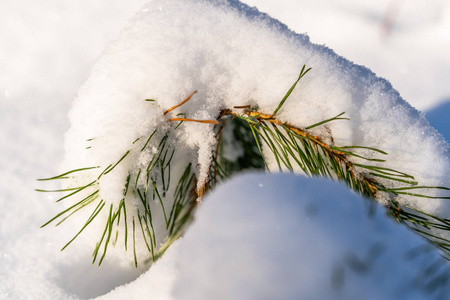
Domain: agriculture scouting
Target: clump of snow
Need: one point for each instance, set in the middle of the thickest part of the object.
(232, 55)
(313, 240)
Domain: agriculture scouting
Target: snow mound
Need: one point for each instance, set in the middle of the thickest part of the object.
(232, 55)
(315, 240)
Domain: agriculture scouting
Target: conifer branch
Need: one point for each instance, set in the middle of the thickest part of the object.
(294, 149)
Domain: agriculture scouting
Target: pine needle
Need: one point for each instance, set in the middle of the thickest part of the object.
(181, 103)
(63, 176)
(289, 92)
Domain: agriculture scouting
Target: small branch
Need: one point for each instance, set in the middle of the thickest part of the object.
(270, 118)
(341, 157)
(181, 103)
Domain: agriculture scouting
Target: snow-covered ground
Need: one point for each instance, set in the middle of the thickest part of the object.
(46, 53)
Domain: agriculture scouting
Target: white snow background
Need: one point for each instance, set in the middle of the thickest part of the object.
(47, 50)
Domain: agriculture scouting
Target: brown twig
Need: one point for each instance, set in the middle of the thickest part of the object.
(270, 118)
(341, 157)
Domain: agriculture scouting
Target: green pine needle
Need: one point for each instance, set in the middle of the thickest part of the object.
(64, 175)
(289, 92)
(328, 120)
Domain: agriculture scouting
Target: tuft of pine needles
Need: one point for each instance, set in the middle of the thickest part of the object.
(152, 195)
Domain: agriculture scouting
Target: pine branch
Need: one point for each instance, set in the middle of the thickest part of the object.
(294, 149)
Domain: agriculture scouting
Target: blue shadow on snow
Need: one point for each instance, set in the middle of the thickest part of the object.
(439, 118)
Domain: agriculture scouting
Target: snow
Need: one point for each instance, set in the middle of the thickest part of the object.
(48, 49)
(411, 54)
(250, 242)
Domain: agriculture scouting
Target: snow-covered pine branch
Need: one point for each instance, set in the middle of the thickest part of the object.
(139, 172)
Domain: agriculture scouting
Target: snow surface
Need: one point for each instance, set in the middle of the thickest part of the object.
(48, 48)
